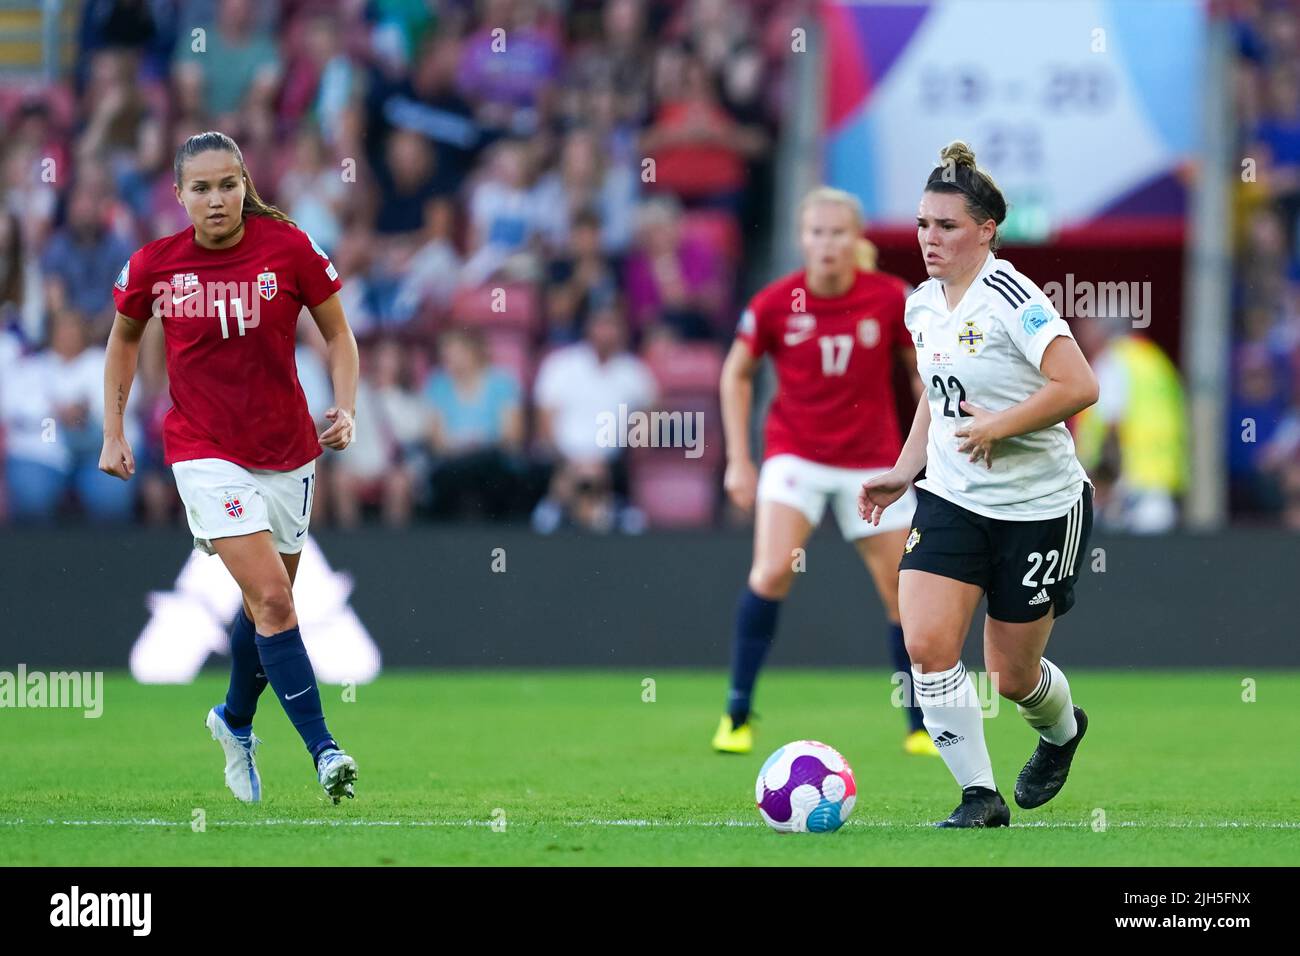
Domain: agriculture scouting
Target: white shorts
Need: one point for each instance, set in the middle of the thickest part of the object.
(224, 500)
(807, 485)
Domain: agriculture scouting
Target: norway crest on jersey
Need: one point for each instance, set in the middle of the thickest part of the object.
(869, 332)
(266, 285)
(233, 506)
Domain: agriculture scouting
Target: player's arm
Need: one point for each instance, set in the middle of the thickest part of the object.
(880, 492)
(907, 359)
(913, 456)
(344, 363)
(736, 392)
(120, 360)
(1071, 387)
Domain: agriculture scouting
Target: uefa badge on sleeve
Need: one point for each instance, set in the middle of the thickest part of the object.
(266, 285)
(234, 507)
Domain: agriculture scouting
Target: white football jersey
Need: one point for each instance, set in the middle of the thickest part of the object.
(987, 352)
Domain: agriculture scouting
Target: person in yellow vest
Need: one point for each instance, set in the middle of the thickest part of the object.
(1133, 442)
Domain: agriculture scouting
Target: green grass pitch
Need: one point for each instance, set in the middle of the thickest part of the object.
(580, 770)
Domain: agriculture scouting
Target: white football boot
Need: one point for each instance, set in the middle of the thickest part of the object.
(337, 772)
(241, 768)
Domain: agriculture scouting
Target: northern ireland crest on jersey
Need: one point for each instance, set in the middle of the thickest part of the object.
(233, 506)
(266, 285)
(869, 332)
(971, 338)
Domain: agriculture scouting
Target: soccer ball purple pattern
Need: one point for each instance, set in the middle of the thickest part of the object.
(805, 787)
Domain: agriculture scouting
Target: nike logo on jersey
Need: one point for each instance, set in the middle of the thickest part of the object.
(799, 328)
(176, 301)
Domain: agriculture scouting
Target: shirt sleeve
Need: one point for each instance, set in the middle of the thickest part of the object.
(1032, 327)
(131, 295)
(546, 390)
(317, 277)
(750, 330)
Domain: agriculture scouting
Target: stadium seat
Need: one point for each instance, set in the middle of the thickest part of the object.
(684, 369)
(672, 491)
(516, 305)
(716, 229)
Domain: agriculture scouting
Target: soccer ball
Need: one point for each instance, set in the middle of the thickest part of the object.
(805, 787)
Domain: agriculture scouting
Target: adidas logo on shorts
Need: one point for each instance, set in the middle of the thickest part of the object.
(1040, 598)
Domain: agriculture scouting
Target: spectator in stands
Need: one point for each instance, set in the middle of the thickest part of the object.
(720, 36)
(83, 258)
(583, 181)
(383, 462)
(234, 79)
(28, 192)
(312, 190)
(1277, 139)
(505, 222)
(122, 130)
(1134, 440)
(673, 283)
(1255, 415)
(407, 184)
(321, 81)
(620, 62)
(145, 29)
(427, 102)
(432, 275)
(575, 386)
(511, 93)
(20, 282)
(579, 279)
(700, 152)
(53, 406)
(476, 431)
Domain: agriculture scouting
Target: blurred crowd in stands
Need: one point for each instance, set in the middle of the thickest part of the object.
(538, 210)
(1264, 409)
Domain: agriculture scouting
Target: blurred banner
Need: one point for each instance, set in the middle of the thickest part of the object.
(485, 597)
(1081, 109)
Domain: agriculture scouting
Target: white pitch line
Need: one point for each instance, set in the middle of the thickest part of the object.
(652, 824)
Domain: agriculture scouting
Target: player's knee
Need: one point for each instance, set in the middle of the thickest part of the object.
(771, 582)
(931, 651)
(273, 605)
(1015, 683)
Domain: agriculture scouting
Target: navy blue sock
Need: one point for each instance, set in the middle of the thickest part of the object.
(903, 665)
(247, 681)
(287, 666)
(755, 627)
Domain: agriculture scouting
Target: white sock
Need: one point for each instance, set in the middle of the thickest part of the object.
(955, 723)
(1049, 709)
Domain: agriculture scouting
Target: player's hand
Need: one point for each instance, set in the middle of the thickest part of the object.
(879, 493)
(339, 435)
(741, 482)
(116, 459)
(978, 434)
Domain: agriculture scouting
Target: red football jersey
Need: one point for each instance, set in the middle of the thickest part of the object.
(834, 362)
(230, 318)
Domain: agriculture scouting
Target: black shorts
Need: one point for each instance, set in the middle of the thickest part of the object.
(1024, 567)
